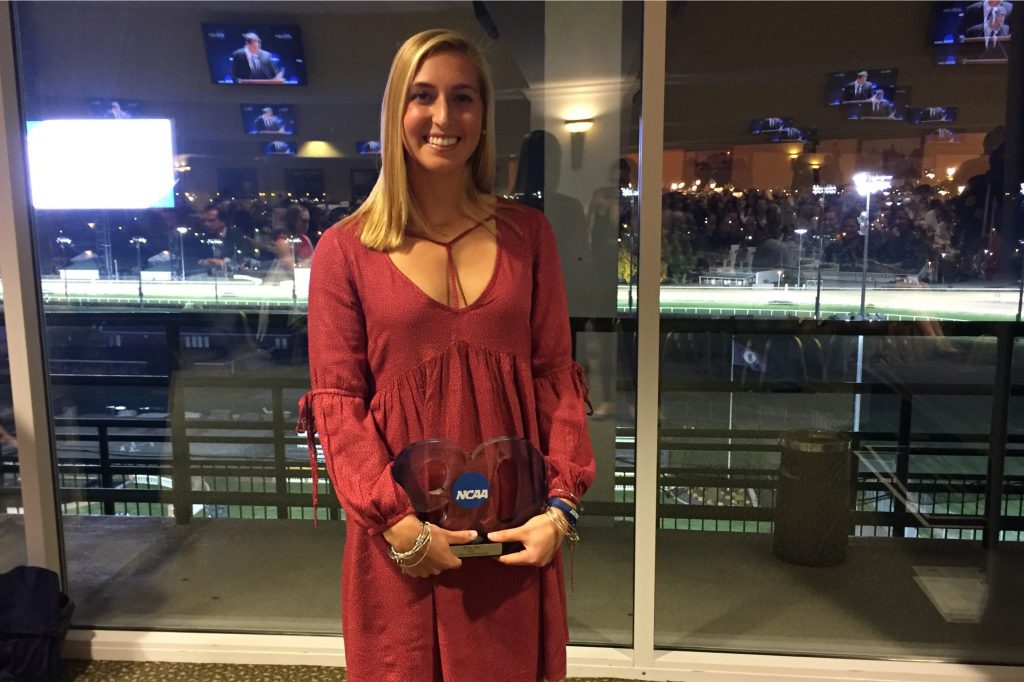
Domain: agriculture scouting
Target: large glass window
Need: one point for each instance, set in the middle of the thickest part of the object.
(12, 530)
(841, 267)
(176, 204)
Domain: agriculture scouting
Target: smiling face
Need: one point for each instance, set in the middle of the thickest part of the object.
(444, 114)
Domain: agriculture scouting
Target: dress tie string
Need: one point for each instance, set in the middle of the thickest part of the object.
(454, 284)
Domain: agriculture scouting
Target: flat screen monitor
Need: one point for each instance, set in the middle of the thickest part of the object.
(770, 124)
(944, 136)
(280, 148)
(857, 85)
(96, 163)
(116, 108)
(268, 119)
(255, 54)
(971, 32)
(887, 103)
(368, 147)
(788, 134)
(932, 115)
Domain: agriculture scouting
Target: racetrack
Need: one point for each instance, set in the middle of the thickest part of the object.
(909, 302)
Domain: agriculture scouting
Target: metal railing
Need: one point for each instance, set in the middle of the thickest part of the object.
(100, 474)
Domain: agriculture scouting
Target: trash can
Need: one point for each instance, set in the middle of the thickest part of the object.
(812, 504)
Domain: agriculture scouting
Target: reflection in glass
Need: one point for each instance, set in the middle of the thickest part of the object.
(12, 529)
(916, 493)
(176, 331)
(791, 301)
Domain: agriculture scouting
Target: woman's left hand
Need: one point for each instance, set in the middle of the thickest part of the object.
(540, 540)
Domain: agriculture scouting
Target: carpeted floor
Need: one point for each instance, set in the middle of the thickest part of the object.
(126, 671)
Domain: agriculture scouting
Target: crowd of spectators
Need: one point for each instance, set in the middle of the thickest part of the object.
(938, 234)
(931, 233)
(224, 237)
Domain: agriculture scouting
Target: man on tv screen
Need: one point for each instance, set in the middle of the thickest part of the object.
(988, 20)
(860, 89)
(930, 114)
(252, 62)
(879, 106)
(267, 122)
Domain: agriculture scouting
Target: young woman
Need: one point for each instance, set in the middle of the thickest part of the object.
(438, 311)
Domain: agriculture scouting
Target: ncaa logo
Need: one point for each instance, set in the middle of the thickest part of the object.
(470, 490)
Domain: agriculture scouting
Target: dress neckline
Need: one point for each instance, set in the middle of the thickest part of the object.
(454, 285)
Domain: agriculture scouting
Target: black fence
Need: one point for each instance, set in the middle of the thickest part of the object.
(167, 458)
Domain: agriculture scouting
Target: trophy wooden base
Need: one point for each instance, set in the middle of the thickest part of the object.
(485, 549)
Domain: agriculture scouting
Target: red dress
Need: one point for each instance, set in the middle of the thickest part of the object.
(390, 366)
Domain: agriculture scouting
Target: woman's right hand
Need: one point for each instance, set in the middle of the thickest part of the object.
(402, 536)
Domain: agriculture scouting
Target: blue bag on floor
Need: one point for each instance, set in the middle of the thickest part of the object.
(34, 617)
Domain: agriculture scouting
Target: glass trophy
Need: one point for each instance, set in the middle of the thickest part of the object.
(501, 484)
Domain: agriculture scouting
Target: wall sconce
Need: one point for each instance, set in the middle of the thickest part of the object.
(580, 125)
(576, 129)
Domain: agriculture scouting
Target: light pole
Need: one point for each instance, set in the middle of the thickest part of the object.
(1020, 289)
(139, 241)
(867, 184)
(292, 241)
(64, 243)
(215, 243)
(801, 231)
(181, 241)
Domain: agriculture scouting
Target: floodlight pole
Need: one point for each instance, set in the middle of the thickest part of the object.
(800, 253)
(138, 256)
(1020, 288)
(817, 296)
(864, 265)
(295, 293)
(181, 242)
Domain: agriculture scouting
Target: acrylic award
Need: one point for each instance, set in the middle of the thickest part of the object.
(501, 484)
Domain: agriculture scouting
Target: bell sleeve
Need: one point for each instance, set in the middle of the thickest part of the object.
(337, 407)
(559, 385)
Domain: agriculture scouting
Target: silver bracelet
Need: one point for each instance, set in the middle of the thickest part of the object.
(426, 549)
(421, 539)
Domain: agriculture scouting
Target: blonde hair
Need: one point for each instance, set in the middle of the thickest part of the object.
(390, 205)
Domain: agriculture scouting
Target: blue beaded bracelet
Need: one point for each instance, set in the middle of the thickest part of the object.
(571, 515)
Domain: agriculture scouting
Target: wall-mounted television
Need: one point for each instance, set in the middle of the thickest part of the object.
(857, 85)
(115, 108)
(788, 134)
(368, 147)
(971, 32)
(280, 148)
(932, 114)
(268, 119)
(770, 124)
(887, 103)
(96, 163)
(255, 54)
(944, 136)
